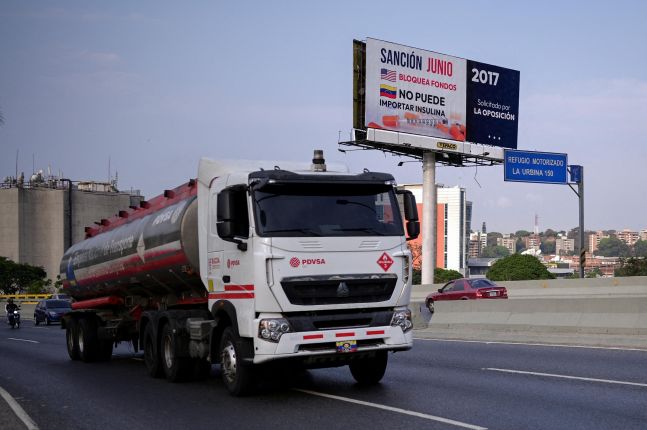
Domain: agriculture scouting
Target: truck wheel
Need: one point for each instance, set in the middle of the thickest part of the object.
(369, 371)
(87, 340)
(175, 368)
(71, 339)
(151, 354)
(238, 377)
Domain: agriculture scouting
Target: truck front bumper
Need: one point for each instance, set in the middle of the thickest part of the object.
(342, 343)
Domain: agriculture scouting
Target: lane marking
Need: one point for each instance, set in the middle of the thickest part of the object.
(551, 345)
(23, 340)
(578, 378)
(392, 409)
(18, 410)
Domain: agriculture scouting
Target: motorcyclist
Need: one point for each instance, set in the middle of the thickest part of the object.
(10, 307)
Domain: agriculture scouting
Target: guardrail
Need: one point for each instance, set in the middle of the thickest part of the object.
(24, 298)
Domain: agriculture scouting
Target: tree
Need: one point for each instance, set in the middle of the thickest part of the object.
(632, 267)
(492, 237)
(445, 275)
(550, 233)
(519, 246)
(613, 247)
(595, 273)
(574, 233)
(522, 233)
(416, 253)
(15, 277)
(640, 248)
(518, 267)
(547, 247)
(495, 251)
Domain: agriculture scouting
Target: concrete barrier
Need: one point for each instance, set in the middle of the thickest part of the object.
(625, 316)
(611, 307)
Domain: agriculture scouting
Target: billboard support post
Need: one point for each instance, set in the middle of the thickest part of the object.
(429, 216)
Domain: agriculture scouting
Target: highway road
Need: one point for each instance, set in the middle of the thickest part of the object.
(440, 384)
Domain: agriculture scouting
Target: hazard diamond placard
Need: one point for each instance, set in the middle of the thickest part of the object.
(385, 261)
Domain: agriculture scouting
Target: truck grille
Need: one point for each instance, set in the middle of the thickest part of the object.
(339, 319)
(340, 289)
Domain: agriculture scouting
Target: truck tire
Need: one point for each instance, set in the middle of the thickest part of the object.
(236, 375)
(71, 339)
(176, 368)
(87, 340)
(369, 371)
(151, 354)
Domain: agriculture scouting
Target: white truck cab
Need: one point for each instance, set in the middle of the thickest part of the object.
(305, 263)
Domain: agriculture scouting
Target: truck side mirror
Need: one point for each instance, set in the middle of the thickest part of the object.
(233, 219)
(411, 215)
(413, 230)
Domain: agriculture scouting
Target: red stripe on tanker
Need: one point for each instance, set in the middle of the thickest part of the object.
(153, 249)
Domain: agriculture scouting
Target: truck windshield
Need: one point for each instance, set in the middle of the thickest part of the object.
(291, 210)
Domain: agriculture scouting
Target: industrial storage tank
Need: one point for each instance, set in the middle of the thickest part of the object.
(151, 250)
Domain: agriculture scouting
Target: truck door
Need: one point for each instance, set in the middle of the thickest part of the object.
(215, 245)
(232, 276)
(237, 263)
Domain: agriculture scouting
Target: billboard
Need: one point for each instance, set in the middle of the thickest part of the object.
(421, 92)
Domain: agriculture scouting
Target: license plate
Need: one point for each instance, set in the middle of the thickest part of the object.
(345, 346)
(493, 293)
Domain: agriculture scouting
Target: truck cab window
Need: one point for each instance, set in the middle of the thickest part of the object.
(293, 210)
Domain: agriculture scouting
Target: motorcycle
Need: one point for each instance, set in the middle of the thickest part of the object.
(14, 319)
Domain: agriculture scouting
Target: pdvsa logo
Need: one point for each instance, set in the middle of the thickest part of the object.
(232, 263)
(295, 262)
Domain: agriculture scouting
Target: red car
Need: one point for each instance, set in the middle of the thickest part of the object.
(465, 289)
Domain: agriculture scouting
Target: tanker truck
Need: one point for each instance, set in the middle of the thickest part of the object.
(252, 264)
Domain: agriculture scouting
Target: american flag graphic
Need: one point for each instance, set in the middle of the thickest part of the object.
(388, 75)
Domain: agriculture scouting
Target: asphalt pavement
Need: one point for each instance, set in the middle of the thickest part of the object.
(444, 374)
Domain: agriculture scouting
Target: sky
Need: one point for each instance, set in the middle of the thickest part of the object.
(144, 89)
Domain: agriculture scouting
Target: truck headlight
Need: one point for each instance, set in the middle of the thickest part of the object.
(402, 319)
(273, 328)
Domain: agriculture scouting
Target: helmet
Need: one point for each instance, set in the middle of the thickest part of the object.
(10, 300)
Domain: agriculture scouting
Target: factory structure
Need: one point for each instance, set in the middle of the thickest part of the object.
(42, 217)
